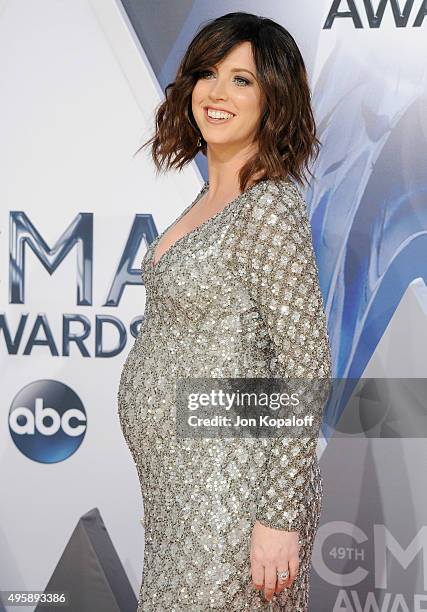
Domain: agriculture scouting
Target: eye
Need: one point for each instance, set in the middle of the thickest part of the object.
(243, 82)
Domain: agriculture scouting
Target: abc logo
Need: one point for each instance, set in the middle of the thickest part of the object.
(47, 421)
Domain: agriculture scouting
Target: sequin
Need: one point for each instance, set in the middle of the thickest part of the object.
(236, 297)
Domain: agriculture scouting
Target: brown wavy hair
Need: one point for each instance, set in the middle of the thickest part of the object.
(286, 133)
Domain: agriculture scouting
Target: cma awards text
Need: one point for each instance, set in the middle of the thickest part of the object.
(39, 333)
(101, 335)
(352, 11)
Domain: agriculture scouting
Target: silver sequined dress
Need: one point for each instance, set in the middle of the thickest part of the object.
(238, 296)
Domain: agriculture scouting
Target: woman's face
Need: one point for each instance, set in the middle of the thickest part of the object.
(231, 86)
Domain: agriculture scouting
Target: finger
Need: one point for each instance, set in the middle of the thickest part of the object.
(270, 581)
(257, 574)
(281, 584)
(293, 568)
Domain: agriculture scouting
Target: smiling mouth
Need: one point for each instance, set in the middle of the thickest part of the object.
(213, 120)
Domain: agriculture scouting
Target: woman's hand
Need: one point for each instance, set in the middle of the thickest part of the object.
(272, 551)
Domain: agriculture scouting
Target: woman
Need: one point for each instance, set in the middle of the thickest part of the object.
(232, 291)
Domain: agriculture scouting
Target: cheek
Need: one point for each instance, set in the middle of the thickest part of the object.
(198, 93)
(251, 104)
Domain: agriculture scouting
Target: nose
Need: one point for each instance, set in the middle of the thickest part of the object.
(218, 89)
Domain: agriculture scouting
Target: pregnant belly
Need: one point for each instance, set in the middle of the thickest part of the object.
(146, 389)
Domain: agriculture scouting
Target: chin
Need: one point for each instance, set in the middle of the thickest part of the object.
(218, 143)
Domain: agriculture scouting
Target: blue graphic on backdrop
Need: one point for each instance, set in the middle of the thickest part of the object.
(47, 421)
(368, 214)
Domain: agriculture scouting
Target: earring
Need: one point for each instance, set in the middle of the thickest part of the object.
(199, 142)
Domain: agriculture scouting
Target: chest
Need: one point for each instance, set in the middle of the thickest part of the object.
(198, 275)
(198, 215)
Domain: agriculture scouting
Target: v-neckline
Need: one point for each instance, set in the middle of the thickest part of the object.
(154, 266)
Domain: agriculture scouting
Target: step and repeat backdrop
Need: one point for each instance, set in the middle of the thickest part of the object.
(80, 82)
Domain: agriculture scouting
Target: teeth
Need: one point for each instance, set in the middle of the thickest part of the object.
(218, 114)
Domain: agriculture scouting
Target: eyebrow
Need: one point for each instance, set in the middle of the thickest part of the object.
(241, 70)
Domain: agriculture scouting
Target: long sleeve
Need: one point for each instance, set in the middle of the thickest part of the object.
(282, 277)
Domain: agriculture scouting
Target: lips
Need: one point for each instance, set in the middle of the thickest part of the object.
(213, 121)
(224, 110)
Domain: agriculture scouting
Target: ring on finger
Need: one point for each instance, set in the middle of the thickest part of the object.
(283, 575)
